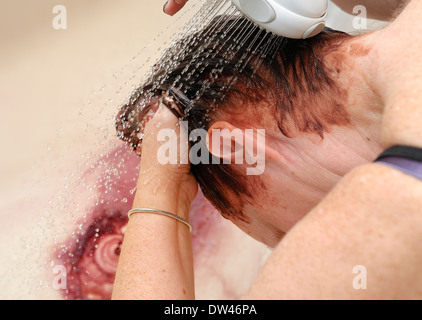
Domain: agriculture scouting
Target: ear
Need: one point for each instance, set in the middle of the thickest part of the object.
(225, 142)
(231, 144)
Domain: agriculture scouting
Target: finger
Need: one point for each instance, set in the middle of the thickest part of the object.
(163, 119)
(173, 6)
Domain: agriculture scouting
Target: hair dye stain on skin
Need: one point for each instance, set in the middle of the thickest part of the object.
(359, 50)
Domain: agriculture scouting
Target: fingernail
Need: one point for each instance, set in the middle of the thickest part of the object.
(165, 7)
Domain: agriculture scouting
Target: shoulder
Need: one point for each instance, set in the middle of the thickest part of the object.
(371, 222)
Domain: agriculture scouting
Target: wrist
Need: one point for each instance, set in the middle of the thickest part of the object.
(164, 194)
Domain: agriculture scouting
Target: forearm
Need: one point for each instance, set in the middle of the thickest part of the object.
(156, 258)
(376, 9)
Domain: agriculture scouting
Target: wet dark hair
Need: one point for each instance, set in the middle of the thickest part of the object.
(240, 67)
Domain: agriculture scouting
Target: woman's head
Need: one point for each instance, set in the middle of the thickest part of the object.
(237, 73)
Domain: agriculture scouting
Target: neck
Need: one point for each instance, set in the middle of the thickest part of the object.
(397, 77)
(355, 68)
(383, 77)
(305, 166)
(380, 72)
(357, 141)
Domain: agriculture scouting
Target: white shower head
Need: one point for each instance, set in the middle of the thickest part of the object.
(296, 19)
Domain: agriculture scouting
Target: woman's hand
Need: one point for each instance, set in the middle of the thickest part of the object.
(171, 179)
(173, 6)
(156, 259)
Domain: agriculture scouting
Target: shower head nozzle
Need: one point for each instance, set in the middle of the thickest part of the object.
(296, 19)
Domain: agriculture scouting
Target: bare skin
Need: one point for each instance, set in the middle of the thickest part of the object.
(371, 218)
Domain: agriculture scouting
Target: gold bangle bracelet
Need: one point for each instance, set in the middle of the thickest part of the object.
(163, 213)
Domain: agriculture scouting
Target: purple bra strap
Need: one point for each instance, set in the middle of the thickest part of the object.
(411, 167)
(403, 158)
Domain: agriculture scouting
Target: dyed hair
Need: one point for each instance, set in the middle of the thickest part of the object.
(239, 66)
